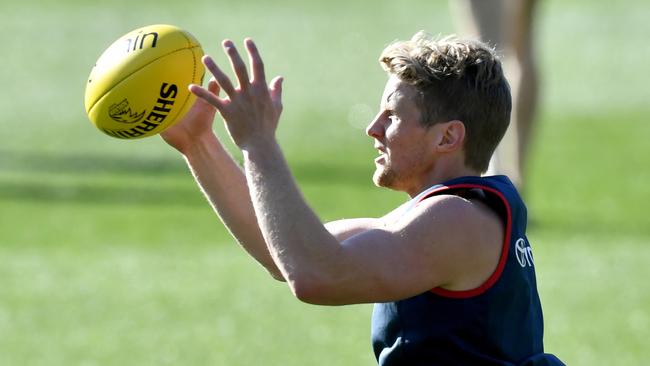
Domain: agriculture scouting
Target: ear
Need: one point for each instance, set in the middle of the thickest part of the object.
(451, 136)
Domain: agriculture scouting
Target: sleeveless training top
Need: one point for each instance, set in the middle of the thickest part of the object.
(498, 323)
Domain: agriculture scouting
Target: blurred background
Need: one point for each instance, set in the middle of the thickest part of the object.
(109, 255)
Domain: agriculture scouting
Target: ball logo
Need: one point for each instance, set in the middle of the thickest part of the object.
(524, 253)
(122, 113)
(162, 107)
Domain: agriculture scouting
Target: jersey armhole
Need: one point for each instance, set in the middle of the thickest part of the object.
(497, 202)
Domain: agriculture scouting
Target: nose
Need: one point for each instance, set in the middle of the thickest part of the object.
(375, 129)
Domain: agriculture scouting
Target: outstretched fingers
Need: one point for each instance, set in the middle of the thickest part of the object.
(209, 95)
(257, 65)
(213, 86)
(221, 78)
(223, 82)
(275, 90)
(237, 64)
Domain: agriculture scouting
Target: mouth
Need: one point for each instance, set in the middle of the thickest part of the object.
(382, 154)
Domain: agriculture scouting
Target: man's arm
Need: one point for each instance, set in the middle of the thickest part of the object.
(446, 241)
(346, 228)
(223, 182)
(219, 177)
(224, 185)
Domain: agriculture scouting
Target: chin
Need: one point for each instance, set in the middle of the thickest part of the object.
(377, 181)
(384, 178)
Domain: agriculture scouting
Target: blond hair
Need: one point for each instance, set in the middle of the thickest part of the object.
(458, 79)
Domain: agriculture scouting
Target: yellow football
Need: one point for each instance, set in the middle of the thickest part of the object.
(138, 86)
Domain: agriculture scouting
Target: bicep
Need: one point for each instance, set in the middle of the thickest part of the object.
(346, 228)
(387, 264)
(426, 248)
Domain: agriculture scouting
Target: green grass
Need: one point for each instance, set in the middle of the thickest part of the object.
(596, 305)
(167, 304)
(110, 256)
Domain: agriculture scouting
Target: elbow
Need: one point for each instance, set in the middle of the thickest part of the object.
(305, 291)
(273, 270)
(312, 291)
(276, 275)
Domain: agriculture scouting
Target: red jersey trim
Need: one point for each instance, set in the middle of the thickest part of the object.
(494, 277)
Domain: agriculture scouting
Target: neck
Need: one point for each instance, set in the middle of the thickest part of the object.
(441, 173)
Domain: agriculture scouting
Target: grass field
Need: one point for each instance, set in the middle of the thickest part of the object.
(110, 256)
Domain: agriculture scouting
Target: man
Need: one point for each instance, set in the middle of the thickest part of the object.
(450, 271)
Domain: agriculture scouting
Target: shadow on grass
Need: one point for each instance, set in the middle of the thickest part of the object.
(139, 192)
(349, 172)
(28, 161)
(109, 195)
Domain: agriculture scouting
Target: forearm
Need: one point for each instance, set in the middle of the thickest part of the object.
(300, 244)
(224, 185)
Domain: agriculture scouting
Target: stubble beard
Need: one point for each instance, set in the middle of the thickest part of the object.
(384, 176)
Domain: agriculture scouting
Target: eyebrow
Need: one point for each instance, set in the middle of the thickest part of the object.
(390, 96)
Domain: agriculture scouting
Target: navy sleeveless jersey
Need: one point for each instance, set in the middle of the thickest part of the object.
(498, 323)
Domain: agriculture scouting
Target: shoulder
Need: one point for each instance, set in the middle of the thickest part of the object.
(466, 236)
(443, 208)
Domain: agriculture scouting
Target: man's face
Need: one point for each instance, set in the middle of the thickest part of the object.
(403, 143)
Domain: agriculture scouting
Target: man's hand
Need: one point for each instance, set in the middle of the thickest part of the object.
(196, 124)
(252, 109)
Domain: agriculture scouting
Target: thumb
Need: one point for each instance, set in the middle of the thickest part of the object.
(275, 89)
(213, 86)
